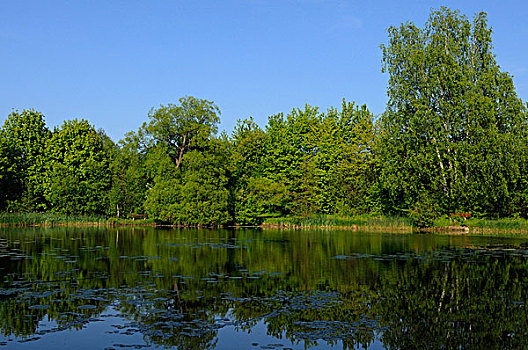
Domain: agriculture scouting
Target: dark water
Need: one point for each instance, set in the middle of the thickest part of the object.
(81, 288)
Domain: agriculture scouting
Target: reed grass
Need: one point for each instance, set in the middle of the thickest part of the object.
(52, 219)
(486, 226)
(506, 224)
(365, 222)
(131, 222)
(49, 219)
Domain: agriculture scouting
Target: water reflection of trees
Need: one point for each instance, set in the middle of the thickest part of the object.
(456, 304)
(178, 289)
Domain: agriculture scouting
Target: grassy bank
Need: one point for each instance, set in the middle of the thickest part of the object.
(54, 219)
(401, 224)
(359, 222)
(486, 226)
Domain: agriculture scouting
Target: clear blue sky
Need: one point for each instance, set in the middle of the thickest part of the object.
(112, 61)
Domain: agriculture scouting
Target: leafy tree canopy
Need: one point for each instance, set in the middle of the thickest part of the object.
(22, 151)
(79, 169)
(453, 119)
(183, 127)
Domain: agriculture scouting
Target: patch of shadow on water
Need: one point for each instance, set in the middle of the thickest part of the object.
(331, 331)
(140, 257)
(207, 245)
(38, 307)
(286, 302)
(240, 275)
(86, 307)
(308, 316)
(14, 254)
(469, 254)
(163, 320)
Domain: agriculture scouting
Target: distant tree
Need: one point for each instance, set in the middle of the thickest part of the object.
(187, 164)
(248, 150)
(326, 161)
(181, 128)
(129, 178)
(22, 161)
(454, 124)
(198, 193)
(10, 185)
(80, 177)
(288, 154)
(255, 195)
(344, 156)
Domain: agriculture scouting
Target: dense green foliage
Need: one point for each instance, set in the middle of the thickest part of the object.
(23, 160)
(188, 164)
(453, 139)
(454, 129)
(78, 169)
(306, 163)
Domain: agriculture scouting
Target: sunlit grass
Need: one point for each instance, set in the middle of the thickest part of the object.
(360, 222)
(399, 223)
(51, 219)
(481, 225)
(48, 219)
(507, 224)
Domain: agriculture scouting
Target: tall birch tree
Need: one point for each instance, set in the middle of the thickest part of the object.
(453, 120)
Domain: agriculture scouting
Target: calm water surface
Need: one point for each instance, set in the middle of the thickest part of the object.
(86, 288)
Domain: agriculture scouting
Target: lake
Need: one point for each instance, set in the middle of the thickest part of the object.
(141, 288)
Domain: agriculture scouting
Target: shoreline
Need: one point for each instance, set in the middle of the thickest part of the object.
(377, 224)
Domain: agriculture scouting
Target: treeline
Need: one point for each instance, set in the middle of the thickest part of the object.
(453, 139)
(176, 168)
